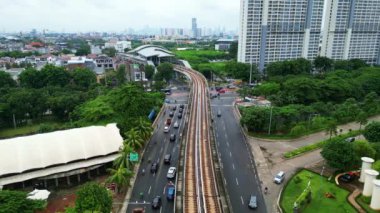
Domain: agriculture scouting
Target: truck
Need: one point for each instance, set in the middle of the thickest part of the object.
(168, 121)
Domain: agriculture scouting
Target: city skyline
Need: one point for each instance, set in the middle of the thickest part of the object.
(116, 15)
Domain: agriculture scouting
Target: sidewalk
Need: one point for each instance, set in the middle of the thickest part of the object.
(269, 159)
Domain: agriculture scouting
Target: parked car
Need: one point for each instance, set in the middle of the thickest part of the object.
(154, 167)
(348, 177)
(171, 173)
(138, 210)
(252, 202)
(156, 203)
(222, 91)
(179, 115)
(166, 129)
(279, 178)
(170, 192)
(167, 158)
(172, 137)
(176, 125)
(350, 139)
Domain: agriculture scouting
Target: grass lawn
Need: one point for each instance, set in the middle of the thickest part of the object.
(364, 203)
(25, 130)
(319, 203)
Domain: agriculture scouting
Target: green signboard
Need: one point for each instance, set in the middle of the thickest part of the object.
(134, 157)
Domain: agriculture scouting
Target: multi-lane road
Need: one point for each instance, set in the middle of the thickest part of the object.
(198, 189)
(241, 178)
(153, 184)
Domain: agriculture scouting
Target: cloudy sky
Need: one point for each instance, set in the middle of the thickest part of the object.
(115, 15)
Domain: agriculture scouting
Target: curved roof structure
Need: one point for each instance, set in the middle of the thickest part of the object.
(151, 50)
(21, 154)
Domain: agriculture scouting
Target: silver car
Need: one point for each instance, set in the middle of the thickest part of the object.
(176, 125)
(171, 173)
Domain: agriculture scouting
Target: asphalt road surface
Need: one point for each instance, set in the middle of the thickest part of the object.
(153, 184)
(237, 166)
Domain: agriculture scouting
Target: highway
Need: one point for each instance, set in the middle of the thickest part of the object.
(239, 171)
(200, 193)
(154, 184)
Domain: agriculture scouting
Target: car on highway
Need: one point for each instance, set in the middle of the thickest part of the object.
(182, 106)
(180, 110)
(252, 202)
(138, 210)
(171, 173)
(166, 129)
(279, 178)
(172, 137)
(174, 108)
(170, 192)
(171, 114)
(156, 202)
(167, 158)
(154, 167)
(179, 115)
(219, 113)
(176, 125)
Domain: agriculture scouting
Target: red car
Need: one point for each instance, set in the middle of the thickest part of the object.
(222, 91)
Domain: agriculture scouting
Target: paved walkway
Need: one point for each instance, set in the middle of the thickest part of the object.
(269, 159)
(352, 200)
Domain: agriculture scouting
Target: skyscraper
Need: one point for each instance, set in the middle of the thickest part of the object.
(352, 30)
(275, 30)
(194, 27)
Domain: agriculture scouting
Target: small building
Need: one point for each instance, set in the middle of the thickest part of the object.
(224, 44)
(103, 63)
(120, 46)
(58, 158)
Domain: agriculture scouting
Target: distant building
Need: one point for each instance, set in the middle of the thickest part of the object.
(120, 46)
(96, 49)
(194, 27)
(103, 63)
(136, 60)
(224, 44)
(80, 61)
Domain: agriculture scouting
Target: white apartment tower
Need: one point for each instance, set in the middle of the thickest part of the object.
(352, 30)
(276, 30)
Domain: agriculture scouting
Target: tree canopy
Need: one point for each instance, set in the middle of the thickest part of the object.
(16, 201)
(93, 197)
(6, 80)
(340, 154)
(372, 132)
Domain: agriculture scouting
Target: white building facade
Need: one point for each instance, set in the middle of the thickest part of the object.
(352, 30)
(276, 30)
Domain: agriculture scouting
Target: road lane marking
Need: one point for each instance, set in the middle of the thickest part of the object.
(225, 135)
(228, 144)
(230, 154)
(233, 166)
(242, 201)
(150, 187)
(225, 182)
(237, 182)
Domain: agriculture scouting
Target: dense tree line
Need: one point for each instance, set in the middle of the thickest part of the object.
(51, 91)
(306, 102)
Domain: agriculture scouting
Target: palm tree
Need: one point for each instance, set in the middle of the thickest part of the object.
(120, 176)
(361, 118)
(331, 127)
(134, 139)
(144, 128)
(123, 159)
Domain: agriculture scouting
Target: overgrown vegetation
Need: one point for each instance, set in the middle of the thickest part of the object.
(305, 103)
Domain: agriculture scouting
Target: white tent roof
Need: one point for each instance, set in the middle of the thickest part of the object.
(38, 194)
(152, 50)
(21, 154)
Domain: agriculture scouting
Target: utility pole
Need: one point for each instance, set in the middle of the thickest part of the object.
(270, 119)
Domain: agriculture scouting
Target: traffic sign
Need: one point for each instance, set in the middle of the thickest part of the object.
(134, 157)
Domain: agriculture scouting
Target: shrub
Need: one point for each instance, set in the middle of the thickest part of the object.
(299, 129)
(297, 180)
(372, 132)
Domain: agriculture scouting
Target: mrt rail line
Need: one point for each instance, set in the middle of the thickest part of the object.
(200, 190)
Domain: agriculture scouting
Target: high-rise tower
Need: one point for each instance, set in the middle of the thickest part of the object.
(194, 27)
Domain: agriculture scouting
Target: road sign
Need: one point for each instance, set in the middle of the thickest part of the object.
(134, 156)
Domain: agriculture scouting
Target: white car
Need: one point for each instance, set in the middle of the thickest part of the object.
(171, 172)
(166, 129)
(176, 125)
